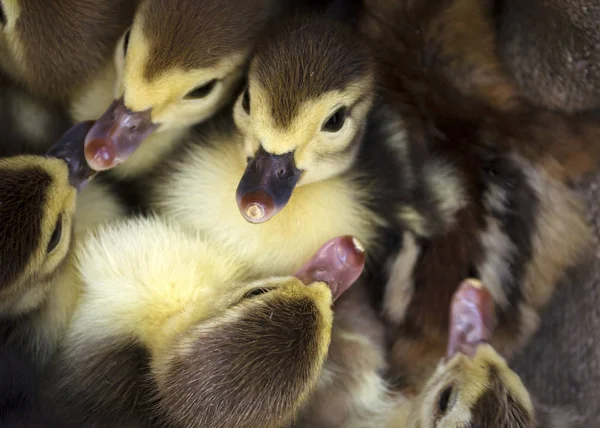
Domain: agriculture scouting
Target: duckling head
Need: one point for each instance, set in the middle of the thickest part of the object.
(217, 340)
(37, 203)
(179, 63)
(303, 112)
(473, 386)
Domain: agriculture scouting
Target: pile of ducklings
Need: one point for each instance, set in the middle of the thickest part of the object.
(275, 213)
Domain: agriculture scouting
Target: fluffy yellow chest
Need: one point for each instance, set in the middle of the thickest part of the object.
(200, 193)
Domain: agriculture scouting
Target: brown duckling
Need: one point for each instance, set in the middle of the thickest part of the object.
(519, 225)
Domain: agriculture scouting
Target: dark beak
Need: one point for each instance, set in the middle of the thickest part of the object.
(116, 136)
(472, 318)
(338, 263)
(69, 148)
(267, 185)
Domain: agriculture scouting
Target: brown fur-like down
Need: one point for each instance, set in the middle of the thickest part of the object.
(439, 70)
(552, 47)
(261, 346)
(176, 28)
(334, 61)
(447, 68)
(55, 47)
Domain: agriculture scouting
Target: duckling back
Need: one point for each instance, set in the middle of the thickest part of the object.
(53, 49)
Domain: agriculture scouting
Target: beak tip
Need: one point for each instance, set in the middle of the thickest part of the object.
(100, 154)
(256, 206)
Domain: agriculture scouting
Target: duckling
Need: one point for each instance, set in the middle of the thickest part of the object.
(474, 385)
(552, 50)
(27, 123)
(38, 204)
(56, 49)
(172, 331)
(197, 186)
(520, 226)
(180, 63)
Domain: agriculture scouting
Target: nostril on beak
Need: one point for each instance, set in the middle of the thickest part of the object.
(281, 173)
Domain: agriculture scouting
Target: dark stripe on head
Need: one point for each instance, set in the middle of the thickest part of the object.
(304, 57)
(193, 34)
(498, 407)
(22, 205)
(270, 352)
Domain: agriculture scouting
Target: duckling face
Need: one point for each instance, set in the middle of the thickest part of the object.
(310, 87)
(473, 386)
(37, 202)
(481, 391)
(179, 63)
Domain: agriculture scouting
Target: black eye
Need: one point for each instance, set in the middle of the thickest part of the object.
(56, 235)
(126, 41)
(202, 91)
(444, 400)
(336, 121)
(2, 15)
(246, 101)
(256, 292)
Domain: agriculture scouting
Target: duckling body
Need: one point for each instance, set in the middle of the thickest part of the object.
(171, 330)
(521, 226)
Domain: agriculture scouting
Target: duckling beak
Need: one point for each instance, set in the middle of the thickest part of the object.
(116, 136)
(267, 185)
(69, 148)
(338, 263)
(472, 318)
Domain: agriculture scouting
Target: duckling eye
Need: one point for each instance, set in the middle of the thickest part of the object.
(56, 235)
(336, 120)
(246, 101)
(202, 91)
(257, 292)
(126, 41)
(2, 15)
(444, 401)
